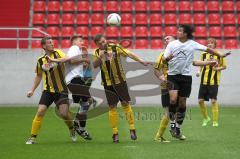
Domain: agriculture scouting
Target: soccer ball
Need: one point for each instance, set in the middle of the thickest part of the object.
(114, 19)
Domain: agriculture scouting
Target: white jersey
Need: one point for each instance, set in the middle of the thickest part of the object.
(183, 55)
(73, 71)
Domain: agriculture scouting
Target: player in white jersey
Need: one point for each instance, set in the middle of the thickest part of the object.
(79, 78)
(180, 54)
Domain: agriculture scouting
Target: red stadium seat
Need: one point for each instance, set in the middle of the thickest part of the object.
(170, 19)
(53, 6)
(228, 18)
(53, 19)
(141, 6)
(199, 19)
(37, 33)
(39, 18)
(238, 6)
(82, 30)
(141, 19)
(39, 6)
(97, 19)
(83, 19)
(200, 31)
(185, 18)
(56, 43)
(170, 30)
(126, 6)
(112, 6)
(215, 31)
(213, 6)
(97, 6)
(68, 19)
(156, 31)
(126, 19)
(65, 44)
(199, 6)
(53, 31)
(184, 6)
(83, 6)
(155, 18)
(202, 41)
(156, 44)
(141, 44)
(230, 31)
(141, 31)
(126, 31)
(36, 44)
(231, 44)
(112, 31)
(68, 6)
(155, 6)
(219, 44)
(227, 6)
(239, 19)
(214, 18)
(170, 6)
(96, 30)
(85, 43)
(67, 31)
(93, 45)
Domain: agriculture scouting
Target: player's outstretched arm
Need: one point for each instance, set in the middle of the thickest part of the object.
(36, 83)
(215, 52)
(72, 60)
(159, 75)
(137, 58)
(204, 63)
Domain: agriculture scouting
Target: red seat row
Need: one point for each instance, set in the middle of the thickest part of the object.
(140, 19)
(140, 5)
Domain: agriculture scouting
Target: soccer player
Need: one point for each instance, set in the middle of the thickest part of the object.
(78, 79)
(161, 72)
(210, 80)
(107, 57)
(179, 54)
(54, 89)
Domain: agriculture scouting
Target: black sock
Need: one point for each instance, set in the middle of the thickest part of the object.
(180, 115)
(81, 118)
(172, 111)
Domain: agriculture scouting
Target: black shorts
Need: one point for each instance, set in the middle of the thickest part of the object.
(79, 88)
(48, 98)
(207, 91)
(116, 93)
(181, 83)
(165, 98)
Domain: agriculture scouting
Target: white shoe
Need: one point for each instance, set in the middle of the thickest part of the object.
(73, 135)
(215, 124)
(31, 141)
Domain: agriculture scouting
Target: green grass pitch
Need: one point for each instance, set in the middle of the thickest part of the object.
(54, 142)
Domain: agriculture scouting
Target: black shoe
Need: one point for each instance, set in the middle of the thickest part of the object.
(179, 135)
(84, 134)
(173, 129)
(133, 134)
(115, 138)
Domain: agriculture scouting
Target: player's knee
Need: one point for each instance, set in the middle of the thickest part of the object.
(200, 101)
(64, 115)
(213, 101)
(173, 101)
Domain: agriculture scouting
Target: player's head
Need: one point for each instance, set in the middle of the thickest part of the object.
(185, 31)
(211, 43)
(47, 44)
(77, 40)
(100, 41)
(168, 39)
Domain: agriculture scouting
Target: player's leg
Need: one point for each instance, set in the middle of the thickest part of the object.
(203, 95)
(45, 101)
(165, 118)
(213, 91)
(112, 100)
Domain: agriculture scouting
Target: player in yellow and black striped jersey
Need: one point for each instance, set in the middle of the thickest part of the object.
(107, 57)
(54, 89)
(210, 81)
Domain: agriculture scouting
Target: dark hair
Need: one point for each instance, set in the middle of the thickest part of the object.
(74, 37)
(98, 37)
(43, 41)
(188, 30)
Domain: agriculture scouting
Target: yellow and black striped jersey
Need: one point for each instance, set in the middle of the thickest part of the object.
(160, 65)
(111, 70)
(53, 79)
(208, 75)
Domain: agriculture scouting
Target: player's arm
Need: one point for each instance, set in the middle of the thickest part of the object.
(137, 58)
(97, 59)
(199, 69)
(159, 74)
(221, 66)
(36, 83)
(73, 60)
(204, 63)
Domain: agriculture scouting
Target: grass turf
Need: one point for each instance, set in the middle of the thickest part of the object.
(54, 142)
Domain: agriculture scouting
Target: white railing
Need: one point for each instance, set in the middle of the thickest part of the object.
(18, 39)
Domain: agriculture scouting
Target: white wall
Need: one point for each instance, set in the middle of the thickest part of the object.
(17, 74)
